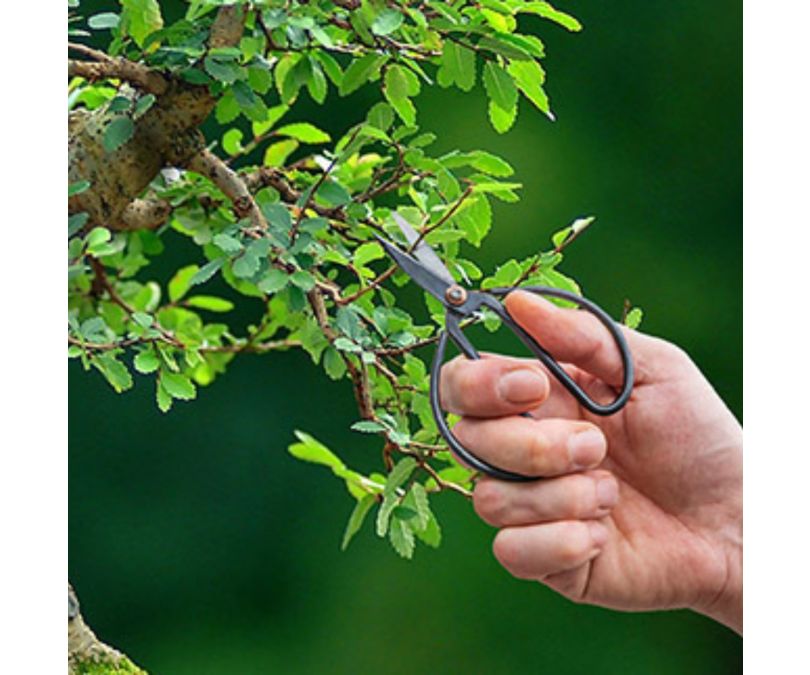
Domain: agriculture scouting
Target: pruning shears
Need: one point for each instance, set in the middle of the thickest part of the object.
(426, 269)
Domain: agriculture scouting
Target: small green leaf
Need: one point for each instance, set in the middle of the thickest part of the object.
(141, 18)
(277, 153)
(303, 279)
(118, 132)
(400, 85)
(401, 537)
(209, 302)
(232, 141)
(545, 10)
(229, 245)
(457, 67)
(503, 96)
(356, 519)
(114, 371)
(386, 22)
(207, 271)
(304, 132)
(368, 426)
(368, 252)
(359, 72)
(309, 449)
(178, 385)
(333, 364)
(182, 281)
(78, 187)
(147, 361)
(103, 21)
(633, 318)
(273, 281)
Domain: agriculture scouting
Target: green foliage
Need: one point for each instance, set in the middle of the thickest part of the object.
(311, 260)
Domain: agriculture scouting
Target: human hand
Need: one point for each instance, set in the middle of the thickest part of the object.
(640, 510)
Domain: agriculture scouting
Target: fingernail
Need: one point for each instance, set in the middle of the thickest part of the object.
(522, 386)
(607, 493)
(586, 448)
(599, 533)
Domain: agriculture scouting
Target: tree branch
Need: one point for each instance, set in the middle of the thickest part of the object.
(143, 214)
(85, 650)
(207, 164)
(106, 67)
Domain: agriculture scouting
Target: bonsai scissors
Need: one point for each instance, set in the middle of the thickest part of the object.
(423, 265)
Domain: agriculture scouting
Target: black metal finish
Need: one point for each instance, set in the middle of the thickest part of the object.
(437, 286)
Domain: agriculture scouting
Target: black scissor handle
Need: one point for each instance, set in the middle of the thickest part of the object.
(453, 331)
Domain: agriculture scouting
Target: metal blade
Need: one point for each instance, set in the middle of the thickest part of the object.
(423, 252)
(415, 269)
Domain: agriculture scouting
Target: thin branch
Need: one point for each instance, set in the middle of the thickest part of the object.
(105, 67)
(207, 164)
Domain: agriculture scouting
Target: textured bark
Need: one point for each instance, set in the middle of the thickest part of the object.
(166, 135)
(86, 653)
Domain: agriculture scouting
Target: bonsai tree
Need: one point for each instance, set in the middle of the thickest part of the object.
(286, 214)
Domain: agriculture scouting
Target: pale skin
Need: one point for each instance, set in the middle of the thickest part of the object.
(641, 510)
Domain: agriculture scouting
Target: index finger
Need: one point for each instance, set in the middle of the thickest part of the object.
(571, 335)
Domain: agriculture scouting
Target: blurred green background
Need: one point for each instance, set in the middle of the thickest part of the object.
(197, 545)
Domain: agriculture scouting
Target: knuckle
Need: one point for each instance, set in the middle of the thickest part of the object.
(489, 502)
(574, 544)
(537, 455)
(583, 496)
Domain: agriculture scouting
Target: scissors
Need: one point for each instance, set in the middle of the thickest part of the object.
(423, 265)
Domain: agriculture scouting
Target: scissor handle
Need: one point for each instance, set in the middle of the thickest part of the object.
(453, 331)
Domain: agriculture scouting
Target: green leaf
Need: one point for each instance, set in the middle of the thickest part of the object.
(224, 69)
(207, 271)
(229, 245)
(144, 103)
(457, 66)
(368, 426)
(141, 18)
(356, 519)
(422, 504)
(232, 141)
(386, 22)
(76, 222)
(209, 302)
(359, 72)
(114, 371)
(178, 385)
(368, 252)
(503, 97)
(333, 364)
(246, 265)
(147, 361)
(118, 132)
(400, 84)
(273, 281)
(182, 281)
(303, 279)
(399, 474)
(401, 537)
(529, 77)
(78, 187)
(309, 449)
(277, 153)
(304, 132)
(432, 533)
(633, 318)
(545, 10)
(103, 20)
(506, 275)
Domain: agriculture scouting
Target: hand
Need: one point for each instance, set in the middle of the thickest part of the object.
(639, 510)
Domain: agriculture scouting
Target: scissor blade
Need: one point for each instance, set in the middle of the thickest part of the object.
(415, 269)
(423, 252)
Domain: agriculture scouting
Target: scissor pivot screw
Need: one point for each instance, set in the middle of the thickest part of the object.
(456, 295)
